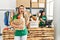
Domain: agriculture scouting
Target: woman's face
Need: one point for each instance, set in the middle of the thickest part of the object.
(21, 9)
(43, 13)
(39, 14)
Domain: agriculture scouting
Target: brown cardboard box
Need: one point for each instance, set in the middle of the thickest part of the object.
(41, 5)
(34, 4)
(26, 3)
(34, 0)
(42, 1)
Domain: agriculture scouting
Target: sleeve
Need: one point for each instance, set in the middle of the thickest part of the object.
(15, 16)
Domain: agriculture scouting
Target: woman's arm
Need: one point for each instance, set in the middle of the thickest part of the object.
(42, 20)
(13, 25)
(27, 16)
(22, 25)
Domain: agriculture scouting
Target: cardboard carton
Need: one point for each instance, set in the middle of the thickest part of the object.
(34, 4)
(41, 5)
(26, 3)
(42, 1)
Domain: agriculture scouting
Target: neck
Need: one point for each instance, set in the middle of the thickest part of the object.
(43, 15)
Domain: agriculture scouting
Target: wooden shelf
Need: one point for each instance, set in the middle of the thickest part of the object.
(32, 8)
(41, 34)
(41, 29)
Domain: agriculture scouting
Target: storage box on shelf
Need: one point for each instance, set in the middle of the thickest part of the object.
(34, 4)
(34, 24)
(42, 1)
(26, 3)
(42, 5)
(38, 4)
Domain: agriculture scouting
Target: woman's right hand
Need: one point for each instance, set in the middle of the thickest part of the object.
(13, 25)
(12, 13)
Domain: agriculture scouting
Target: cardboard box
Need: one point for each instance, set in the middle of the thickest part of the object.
(34, 4)
(34, 0)
(42, 1)
(41, 5)
(26, 3)
(33, 24)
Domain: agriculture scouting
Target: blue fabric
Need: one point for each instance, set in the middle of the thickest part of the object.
(6, 18)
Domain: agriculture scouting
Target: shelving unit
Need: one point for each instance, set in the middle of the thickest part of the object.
(30, 8)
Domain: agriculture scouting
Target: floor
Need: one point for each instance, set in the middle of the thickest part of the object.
(0, 37)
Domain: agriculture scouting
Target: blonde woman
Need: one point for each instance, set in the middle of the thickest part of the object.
(20, 30)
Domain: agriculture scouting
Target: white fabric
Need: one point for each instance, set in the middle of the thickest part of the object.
(20, 37)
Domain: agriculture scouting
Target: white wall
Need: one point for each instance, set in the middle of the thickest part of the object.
(57, 18)
(2, 20)
(49, 9)
(7, 4)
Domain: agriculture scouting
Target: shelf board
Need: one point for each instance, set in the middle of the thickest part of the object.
(31, 8)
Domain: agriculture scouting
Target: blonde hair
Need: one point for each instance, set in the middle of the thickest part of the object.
(21, 6)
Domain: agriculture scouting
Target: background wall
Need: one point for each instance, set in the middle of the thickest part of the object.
(4, 6)
(57, 18)
(7, 4)
(49, 9)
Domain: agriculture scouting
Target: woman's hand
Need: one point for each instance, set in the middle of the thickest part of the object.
(13, 25)
(42, 20)
(12, 13)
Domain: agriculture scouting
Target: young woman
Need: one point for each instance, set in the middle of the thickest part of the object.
(42, 19)
(22, 33)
